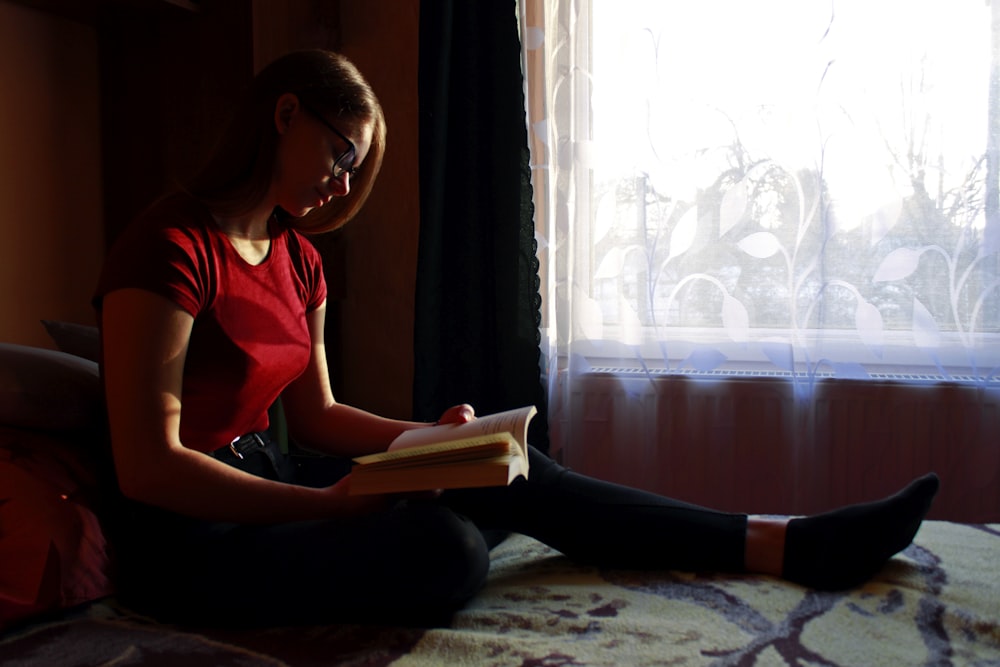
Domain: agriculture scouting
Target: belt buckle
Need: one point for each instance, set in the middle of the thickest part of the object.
(256, 437)
(232, 448)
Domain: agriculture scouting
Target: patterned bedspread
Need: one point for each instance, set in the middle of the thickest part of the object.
(936, 604)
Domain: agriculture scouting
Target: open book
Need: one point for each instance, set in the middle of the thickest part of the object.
(489, 451)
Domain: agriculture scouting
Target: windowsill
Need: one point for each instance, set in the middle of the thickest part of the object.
(701, 353)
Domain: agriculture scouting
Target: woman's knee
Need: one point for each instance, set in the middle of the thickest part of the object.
(454, 554)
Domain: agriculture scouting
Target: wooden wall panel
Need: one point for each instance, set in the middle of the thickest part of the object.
(169, 80)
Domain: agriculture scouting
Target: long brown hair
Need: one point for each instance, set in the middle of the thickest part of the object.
(238, 173)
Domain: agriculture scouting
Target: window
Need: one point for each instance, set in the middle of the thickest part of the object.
(800, 187)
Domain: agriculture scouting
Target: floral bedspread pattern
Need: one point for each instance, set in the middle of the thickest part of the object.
(938, 603)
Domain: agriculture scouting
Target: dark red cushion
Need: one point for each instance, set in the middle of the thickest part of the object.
(53, 554)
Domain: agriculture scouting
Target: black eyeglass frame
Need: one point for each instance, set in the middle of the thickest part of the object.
(349, 155)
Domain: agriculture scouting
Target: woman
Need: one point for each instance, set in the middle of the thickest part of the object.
(212, 306)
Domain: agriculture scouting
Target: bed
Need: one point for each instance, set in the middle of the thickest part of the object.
(937, 603)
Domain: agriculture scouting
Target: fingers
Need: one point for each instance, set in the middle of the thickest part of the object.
(459, 414)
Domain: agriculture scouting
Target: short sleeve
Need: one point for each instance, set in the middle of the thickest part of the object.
(309, 266)
(165, 252)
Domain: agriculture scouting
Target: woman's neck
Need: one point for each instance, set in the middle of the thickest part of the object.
(252, 226)
(248, 234)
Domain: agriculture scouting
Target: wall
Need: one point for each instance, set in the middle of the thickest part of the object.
(379, 247)
(50, 184)
(51, 162)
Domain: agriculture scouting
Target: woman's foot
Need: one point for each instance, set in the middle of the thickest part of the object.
(846, 547)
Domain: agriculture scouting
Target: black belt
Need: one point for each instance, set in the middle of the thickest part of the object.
(241, 453)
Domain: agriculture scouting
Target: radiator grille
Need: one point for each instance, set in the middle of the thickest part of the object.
(912, 378)
(748, 443)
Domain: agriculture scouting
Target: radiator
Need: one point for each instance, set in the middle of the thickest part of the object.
(749, 444)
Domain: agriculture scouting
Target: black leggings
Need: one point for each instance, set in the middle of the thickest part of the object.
(413, 564)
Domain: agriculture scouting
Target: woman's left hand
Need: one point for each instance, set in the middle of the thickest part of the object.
(459, 414)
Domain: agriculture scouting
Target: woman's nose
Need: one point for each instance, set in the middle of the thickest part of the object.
(340, 186)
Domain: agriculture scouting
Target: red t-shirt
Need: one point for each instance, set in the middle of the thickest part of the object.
(250, 337)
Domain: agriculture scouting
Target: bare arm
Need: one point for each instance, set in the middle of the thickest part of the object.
(145, 343)
(318, 421)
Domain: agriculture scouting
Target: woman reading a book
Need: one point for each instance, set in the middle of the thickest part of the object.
(212, 305)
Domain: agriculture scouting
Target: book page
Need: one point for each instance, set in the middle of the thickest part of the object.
(514, 422)
(466, 449)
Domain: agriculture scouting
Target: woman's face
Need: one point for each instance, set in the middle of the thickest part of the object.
(314, 162)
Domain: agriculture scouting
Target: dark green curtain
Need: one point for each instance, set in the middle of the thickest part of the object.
(477, 301)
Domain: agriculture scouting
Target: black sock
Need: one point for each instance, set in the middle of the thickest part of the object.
(846, 547)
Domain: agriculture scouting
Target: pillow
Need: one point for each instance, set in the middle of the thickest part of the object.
(77, 339)
(49, 390)
(53, 553)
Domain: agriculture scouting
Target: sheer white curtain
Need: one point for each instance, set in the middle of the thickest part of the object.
(798, 189)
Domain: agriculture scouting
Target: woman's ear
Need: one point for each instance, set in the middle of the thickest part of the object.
(284, 110)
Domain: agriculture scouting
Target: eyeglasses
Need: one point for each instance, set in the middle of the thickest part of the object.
(344, 163)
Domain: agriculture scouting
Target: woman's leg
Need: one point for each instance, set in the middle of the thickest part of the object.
(414, 564)
(607, 524)
(765, 545)
(611, 525)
